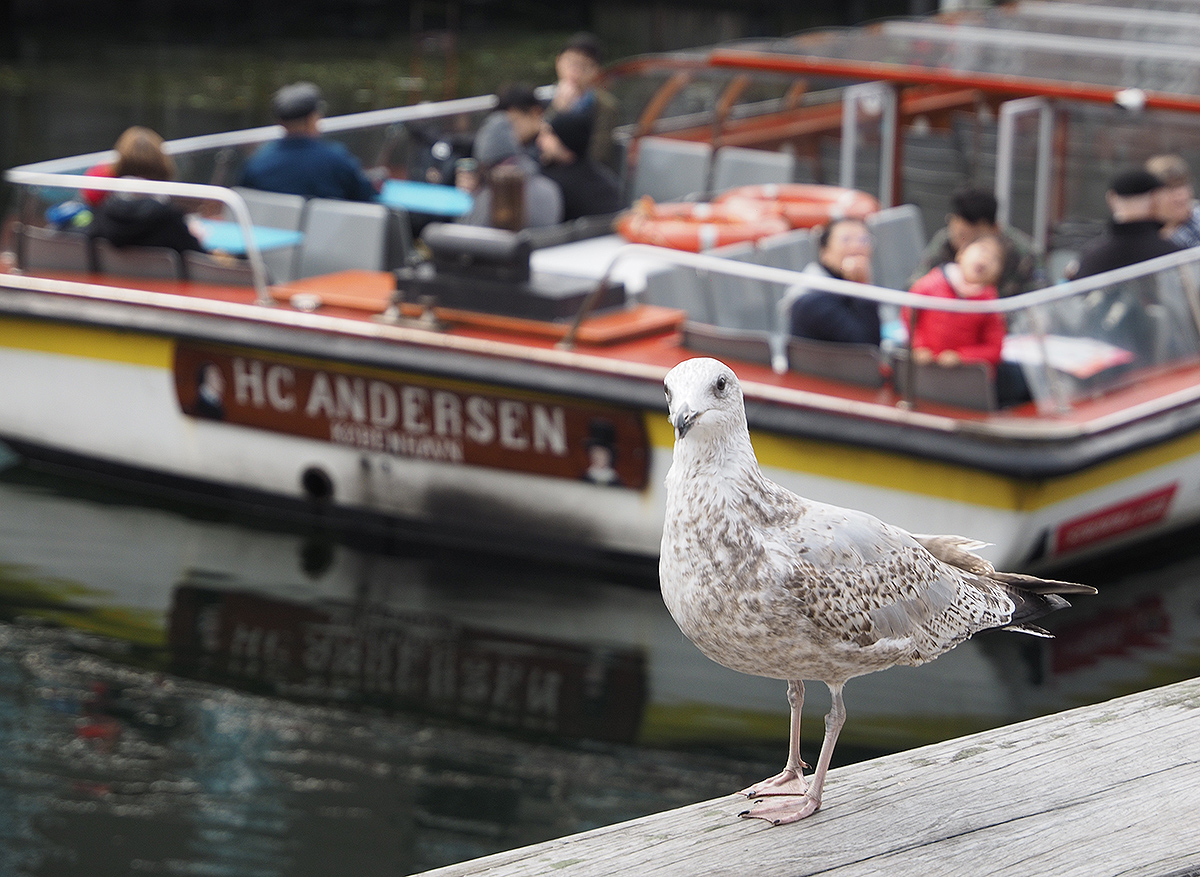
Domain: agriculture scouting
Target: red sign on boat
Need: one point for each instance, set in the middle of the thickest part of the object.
(410, 416)
(1141, 511)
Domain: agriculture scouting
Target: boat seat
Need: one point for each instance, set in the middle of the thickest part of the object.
(49, 249)
(969, 385)
(224, 270)
(792, 250)
(737, 166)
(343, 235)
(899, 234)
(742, 302)
(748, 345)
(272, 209)
(162, 263)
(680, 288)
(670, 170)
(276, 210)
(861, 364)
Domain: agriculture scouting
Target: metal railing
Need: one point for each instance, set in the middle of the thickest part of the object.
(199, 191)
(1165, 291)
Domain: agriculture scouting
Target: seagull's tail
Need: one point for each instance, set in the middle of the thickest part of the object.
(1034, 597)
(1041, 586)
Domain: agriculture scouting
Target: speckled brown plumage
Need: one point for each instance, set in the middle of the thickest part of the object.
(772, 584)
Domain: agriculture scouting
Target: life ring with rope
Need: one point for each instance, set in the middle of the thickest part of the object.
(699, 226)
(803, 205)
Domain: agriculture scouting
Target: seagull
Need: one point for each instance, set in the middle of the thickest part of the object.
(768, 583)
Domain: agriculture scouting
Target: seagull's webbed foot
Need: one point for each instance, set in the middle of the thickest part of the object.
(789, 781)
(781, 812)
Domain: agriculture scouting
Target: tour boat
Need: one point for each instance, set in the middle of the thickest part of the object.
(504, 390)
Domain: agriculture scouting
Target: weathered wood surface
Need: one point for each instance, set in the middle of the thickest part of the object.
(1110, 789)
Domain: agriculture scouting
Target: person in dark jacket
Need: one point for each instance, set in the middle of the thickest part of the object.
(844, 252)
(1134, 234)
(301, 162)
(588, 187)
(129, 219)
(1122, 314)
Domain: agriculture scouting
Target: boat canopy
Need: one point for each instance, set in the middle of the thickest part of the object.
(1042, 101)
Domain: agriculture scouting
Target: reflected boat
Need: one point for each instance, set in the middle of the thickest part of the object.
(505, 393)
(535, 651)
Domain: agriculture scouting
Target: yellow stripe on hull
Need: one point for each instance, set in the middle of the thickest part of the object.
(135, 348)
(949, 481)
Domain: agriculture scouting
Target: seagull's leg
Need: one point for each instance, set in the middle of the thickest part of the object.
(791, 810)
(791, 780)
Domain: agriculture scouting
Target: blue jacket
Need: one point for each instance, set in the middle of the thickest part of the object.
(310, 167)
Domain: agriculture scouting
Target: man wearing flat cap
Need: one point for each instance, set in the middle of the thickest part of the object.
(1122, 314)
(1133, 235)
(301, 163)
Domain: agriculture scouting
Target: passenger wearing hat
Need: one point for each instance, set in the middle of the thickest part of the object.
(588, 187)
(1121, 314)
(301, 163)
(503, 149)
(1133, 235)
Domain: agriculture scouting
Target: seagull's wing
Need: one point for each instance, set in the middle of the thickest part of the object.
(863, 581)
(957, 551)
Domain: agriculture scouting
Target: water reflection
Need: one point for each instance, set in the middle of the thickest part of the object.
(124, 754)
(181, 693)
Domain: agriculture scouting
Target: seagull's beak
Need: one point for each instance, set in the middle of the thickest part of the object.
(683, 419)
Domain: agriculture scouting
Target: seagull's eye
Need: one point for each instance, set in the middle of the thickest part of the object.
(721, 384)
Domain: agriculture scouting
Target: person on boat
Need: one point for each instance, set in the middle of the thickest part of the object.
(302, 162)
(507, 167)
(950, 339)
(973, 215)
(578, 68)
(1133, 235)
(588, 187)
(843, 252)
(1176, 206)
(1122, 314)
(132, 219)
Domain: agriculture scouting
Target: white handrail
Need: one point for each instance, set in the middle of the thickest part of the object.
(201, 191)
(1012, 304)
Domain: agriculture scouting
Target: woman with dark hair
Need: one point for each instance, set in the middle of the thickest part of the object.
(844, 253)
(131, 219)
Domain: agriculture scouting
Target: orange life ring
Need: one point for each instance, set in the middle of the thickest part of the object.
(805, 205)
(699, 226)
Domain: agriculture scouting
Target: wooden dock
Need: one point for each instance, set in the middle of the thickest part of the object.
(1110, 789)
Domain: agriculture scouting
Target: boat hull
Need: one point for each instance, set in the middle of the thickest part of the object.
(526, 450)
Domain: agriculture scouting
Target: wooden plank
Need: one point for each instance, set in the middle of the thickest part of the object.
(1100, 790)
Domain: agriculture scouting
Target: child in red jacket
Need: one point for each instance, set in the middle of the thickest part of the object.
(952, 338)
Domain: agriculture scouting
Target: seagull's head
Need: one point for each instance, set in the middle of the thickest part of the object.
(704, 392)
